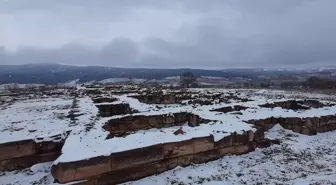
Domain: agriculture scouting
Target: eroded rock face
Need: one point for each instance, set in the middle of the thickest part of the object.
(142, 162)
(23, 154)
(107, 110)
(307, 126)
(230, 109)
(296, 105)
(121, 126)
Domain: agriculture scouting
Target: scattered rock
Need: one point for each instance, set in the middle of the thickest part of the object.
(179, 132)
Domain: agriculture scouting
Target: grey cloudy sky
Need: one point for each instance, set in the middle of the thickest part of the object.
(169, 33)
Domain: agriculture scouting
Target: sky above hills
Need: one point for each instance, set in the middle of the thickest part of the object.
(169, 34)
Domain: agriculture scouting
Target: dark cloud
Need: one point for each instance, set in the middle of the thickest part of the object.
(186, 33)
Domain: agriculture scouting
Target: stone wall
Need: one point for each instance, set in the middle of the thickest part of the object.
(230, 109)
(307, 126)
(104, 100)
(121, 126)
(23, 154)
(158, 98)
(296, 105)
(142, 162)
(107, 110)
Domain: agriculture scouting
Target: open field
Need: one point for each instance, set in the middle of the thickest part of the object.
(117, 135)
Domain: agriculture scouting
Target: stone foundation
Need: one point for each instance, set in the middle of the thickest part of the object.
(121, 126)
(23, 154)
(296, 105)
(307, 126)
(142, 162)
(104, 100)
(107, 110)
(230, 109)
(158, 98)
(178, 97)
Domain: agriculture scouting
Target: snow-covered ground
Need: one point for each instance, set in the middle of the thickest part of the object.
(298, 160)
(94, 144)
(31, 118)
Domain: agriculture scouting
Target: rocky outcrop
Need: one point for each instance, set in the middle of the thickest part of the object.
(23, 154)
(107, 110)
(230, 109)
(296, 105)
(307, 126)
(142, 162)
(121, 126)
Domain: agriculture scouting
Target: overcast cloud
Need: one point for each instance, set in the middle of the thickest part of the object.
(169, 33)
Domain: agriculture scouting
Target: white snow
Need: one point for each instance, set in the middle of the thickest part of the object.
(32, 118)
(282, 164)
(223, 125)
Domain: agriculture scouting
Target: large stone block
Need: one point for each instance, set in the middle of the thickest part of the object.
(64, 172)
(92, 167)
(172, 150)
(140, 123)
(48, 146)
(124, 175)
(20, 163)
(243, 149)
(224, 142)
(85, 169)
(138, 156)
(206, 156)
(240, 139)
(17, 149)
(166, 164)
(185, 160)
(227, 151)
(203, 144)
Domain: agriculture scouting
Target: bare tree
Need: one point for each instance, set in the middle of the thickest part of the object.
(187, 79)
(13, 88)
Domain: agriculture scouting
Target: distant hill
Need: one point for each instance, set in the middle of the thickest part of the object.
(56, 73)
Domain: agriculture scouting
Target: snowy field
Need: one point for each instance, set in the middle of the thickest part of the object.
(31, 118)
(299, 159)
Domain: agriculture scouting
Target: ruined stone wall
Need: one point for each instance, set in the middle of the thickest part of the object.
(296, 105)
(139, 163)
(230, 109)
(307, 126)
(103, 99)
(158, 98)
(121, 126)
(107, 110)
(18, 155)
